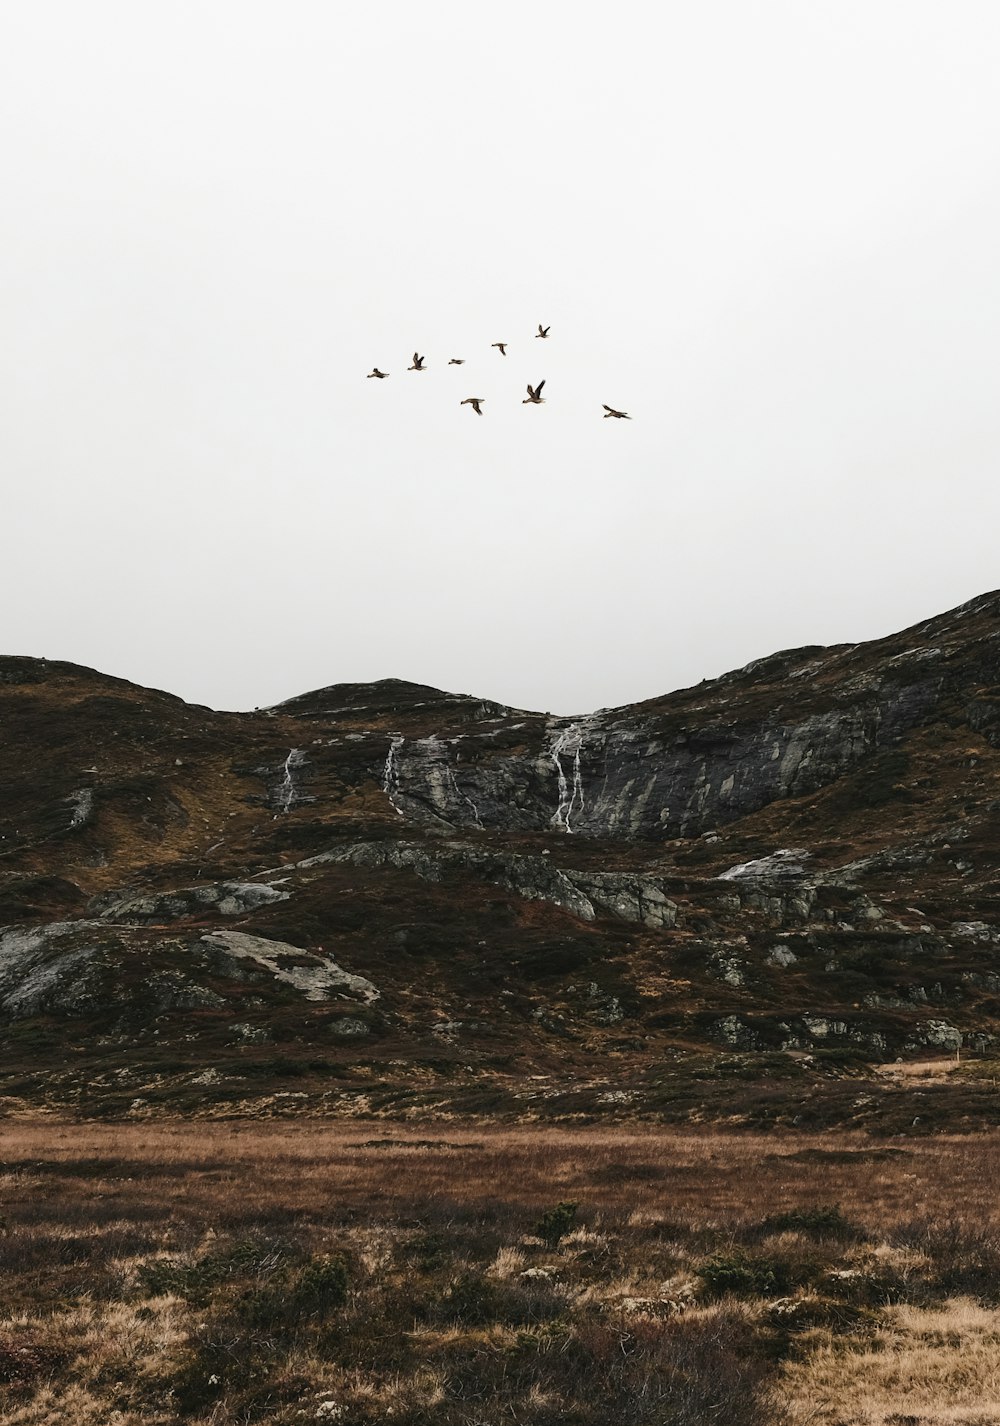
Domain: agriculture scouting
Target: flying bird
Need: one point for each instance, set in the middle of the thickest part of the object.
(475, 402)
(610, 411)
(375, 372)
(542, 331)
(418, 363)
(456, 361)
(502, 346)
(534, 396)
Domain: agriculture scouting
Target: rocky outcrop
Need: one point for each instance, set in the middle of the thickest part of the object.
(624, 895)
(226, 898)
(46, 968)
(785, 865)
(317, 977)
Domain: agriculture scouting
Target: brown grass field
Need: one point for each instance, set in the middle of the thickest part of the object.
(432, 1275)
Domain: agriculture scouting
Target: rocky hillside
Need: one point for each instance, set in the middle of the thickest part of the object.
(764, 899)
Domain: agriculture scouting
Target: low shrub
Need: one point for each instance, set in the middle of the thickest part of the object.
(822, 1221)
(737, 1276)
(743, 1275)
(555, 1223)
(802, 1314)
(698, 1371)
(479, 1301)
(965, 1256)
(222, 1360)
(290, 1299)
(196, 1281)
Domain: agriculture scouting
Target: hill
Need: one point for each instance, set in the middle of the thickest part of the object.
(771, 898)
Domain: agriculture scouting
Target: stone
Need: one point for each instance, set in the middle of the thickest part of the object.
(349, 1028)
(778, 866)
(318, 978)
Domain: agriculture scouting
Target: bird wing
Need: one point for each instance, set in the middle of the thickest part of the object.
(538, 388)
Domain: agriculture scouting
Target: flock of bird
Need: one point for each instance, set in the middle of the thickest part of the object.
(533, 398)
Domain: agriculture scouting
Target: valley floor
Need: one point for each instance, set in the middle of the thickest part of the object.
(437, 1274)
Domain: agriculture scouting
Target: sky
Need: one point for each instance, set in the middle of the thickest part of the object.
(767, 230)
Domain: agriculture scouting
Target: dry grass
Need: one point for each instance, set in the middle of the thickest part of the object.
(921, 1367)
(210, 1273)
(195, 1169)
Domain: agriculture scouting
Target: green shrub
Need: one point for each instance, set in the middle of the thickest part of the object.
(744, 1275)
(555, 1223)
(823, 1221)
(290, 1299)
(321, 1287)
(738, 1276)
(192, 1281)
(197, 1281)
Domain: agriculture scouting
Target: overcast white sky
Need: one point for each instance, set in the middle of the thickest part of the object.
(768, 229)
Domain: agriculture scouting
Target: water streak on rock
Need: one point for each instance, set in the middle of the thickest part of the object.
(286, 792)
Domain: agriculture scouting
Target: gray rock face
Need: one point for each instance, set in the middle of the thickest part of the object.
(638, 776)
(786, 904)
(45, 969)
(246, 1033)
(72, 968)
